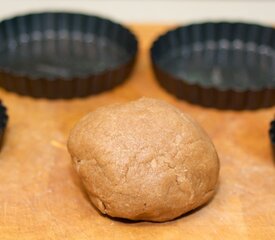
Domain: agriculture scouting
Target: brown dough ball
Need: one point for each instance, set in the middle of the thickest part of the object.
(144, 160)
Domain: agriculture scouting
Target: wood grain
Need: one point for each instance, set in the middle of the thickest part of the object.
(41, 196)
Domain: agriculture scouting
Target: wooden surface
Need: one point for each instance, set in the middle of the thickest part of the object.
(41, 196)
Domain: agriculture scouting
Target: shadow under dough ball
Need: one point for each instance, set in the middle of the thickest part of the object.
(144, 160)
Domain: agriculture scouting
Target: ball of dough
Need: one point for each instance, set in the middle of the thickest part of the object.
(144, 160)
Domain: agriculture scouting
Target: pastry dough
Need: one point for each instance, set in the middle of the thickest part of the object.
(144, 160)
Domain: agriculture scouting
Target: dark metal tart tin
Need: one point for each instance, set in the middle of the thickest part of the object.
(3, 121)
(223, 65)
(272, 135)
(64, 55)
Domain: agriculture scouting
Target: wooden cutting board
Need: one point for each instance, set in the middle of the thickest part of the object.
(41, 196)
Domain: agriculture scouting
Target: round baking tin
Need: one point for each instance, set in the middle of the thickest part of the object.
(272, 135)
(64, 55)
(223, 65)
(3, 121)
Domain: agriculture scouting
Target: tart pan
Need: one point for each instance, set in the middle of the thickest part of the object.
(272, 135)
(64, 55)
(3, 121)
(223, 65)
